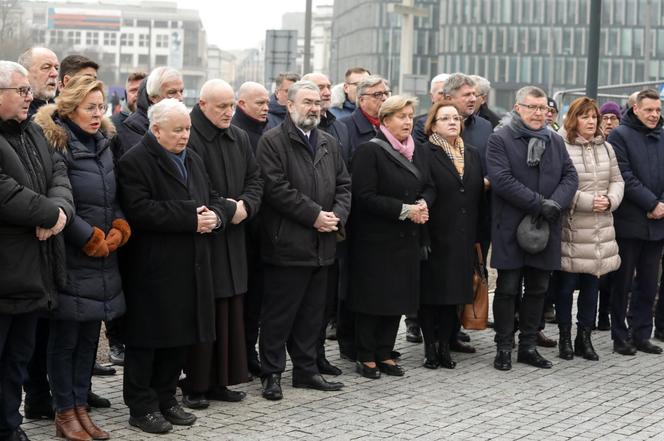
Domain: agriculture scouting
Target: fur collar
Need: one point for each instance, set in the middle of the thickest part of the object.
(55, 133)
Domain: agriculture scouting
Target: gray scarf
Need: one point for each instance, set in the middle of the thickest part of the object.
(537, 139)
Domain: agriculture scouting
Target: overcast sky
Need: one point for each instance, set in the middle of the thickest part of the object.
(240, 24)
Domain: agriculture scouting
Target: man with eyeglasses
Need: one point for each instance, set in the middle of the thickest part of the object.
(351, 79)
(306, 202)
(436, 94)
(36, 204)
(277, 106)
(43, 66)
(363, 123)
(531, 174)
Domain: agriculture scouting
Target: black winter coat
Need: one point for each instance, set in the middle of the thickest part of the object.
(30, 268)
(132, 129)
(360, 129)
(234, 174)
(517, 190)
(169, 284)
(339, 132)
(476, 132)
(297, 187)
(640, 154)
(94, 288)
(454, 224)
(276, 113)
(253, 127)
(385, 252)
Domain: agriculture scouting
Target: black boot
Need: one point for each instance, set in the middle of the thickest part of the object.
(565, 350)
(444, 355)
(431, 356)
(583, 346)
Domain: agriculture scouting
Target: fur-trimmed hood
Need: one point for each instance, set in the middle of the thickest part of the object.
(57, 136)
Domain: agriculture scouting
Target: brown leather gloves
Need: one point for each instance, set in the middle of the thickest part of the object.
(100, 246)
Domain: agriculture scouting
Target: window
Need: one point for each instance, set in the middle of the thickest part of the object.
(626, 42)
(126, 39)
(143, 23)
(143, 60)
(161, 60)
(92, 38)
(108, 58)
(638, 43)
(56, 36)
(160, 24)
(161, 40)
(143, 40)
(126, 59)
(127, 22)
(110, 39)
(73, 37)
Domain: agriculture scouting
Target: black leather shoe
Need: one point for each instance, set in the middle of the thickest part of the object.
(116, 355)
(648, 347)
(327, 368)
(272, 387)
(459, 346)
(222, 393)
(444, 357)
(18, 435)
(462, 336)
(533, 358)
(195, 401)
(151, 423)
(659, 335)
(544, 341)
(317, 382)
(603, 322)
(39, 410)
(623, 347)
(101, 370)
(367, 372)
(393, 370)
(98, 402)
(431, 356)
(414, 334)
(503, 360)
(176, 415)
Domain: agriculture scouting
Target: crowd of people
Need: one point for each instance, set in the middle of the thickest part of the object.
(213, 241)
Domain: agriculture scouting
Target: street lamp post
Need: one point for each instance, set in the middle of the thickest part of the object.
(593, 48)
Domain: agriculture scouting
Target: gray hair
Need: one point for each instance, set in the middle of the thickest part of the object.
(533, 91)
(440, 78)
(248, 87)
(455, 82)
(7, 70)
(395, 103)
(158, 77)
(25, 59)
(367, 83)
(300, 85)
(211, 85)
(159, 113)
(482, 85)
(288, 76)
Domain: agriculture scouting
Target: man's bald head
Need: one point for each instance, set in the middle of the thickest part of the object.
(253, 98)
(217, 102)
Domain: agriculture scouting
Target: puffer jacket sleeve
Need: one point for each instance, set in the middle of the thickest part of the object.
(59, 189)
(616, 183)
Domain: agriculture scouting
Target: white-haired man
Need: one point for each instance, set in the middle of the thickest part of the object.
(436, 94)
(43, 67)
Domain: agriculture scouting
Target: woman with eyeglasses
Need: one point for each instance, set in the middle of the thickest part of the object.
(76, 128)
(454, 221)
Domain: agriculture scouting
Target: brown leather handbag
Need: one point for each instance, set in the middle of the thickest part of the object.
(476, 314)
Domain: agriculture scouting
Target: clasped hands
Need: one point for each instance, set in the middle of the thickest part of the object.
(45, 233)
(418, 212)
(657, 212)
(326, 222)
(601, 204)
(207, 220)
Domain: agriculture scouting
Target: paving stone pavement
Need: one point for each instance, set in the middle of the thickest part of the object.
(616, 398)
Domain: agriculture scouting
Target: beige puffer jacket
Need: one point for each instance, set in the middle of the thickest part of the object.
(588, 238)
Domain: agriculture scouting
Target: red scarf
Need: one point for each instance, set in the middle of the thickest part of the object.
(374, 121)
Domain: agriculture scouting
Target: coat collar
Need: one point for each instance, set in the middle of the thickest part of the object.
(161, 155)
(244, 121)
(363, 124)
(288, 126)
(204, 126)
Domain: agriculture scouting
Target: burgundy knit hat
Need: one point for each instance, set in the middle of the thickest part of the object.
(610, 107)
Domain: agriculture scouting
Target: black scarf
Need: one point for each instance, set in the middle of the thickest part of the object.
(632, 121)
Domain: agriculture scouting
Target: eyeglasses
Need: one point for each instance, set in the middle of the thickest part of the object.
(534, 108)
(378, 95)
(455, 118)
(609, 118)
(22, 91)
(92, 109)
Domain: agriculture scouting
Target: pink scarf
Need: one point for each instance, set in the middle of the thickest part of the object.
(405, 148)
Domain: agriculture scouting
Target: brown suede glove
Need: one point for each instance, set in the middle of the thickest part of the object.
(113, 239)
(123, 227)
(96, 246)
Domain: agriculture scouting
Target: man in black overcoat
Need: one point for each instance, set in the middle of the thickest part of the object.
(530, 173)
(306, 203)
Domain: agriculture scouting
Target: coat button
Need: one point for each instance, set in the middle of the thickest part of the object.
(462, 190)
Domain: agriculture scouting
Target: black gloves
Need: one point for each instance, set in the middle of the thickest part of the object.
(550, 210)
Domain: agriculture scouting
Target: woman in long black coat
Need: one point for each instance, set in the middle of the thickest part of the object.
(391, 193)
(166, 197)
(447, 275)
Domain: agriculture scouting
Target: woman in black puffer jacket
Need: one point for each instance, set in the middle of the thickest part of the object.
(77, 129)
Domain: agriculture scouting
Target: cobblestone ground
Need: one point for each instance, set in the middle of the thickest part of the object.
(616, 398)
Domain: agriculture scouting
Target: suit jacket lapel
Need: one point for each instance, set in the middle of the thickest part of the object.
(442, 157)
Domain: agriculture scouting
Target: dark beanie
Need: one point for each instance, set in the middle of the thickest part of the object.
(610, 107)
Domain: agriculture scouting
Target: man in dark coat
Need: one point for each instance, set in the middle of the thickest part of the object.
(277, 106)
(351, 79)
(131, 97)
(35, 204)
(169, 290)
(531, 174)
(43, 66)
(436, 94)
(362, 124)
(482, 90)
(306, 202)
(234, 174)
(639, 223)
(251, 111)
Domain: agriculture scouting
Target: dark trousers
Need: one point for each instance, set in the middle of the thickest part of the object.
(644, 257)
(291, 317)
(586, 302)
(114, 331)
(151, 377)
(17, 340)
(253, 300)
(605, 283)
(346, 329)
(375, 336)
(508, 287)
(659, 309)
(439, 323)
(331, 302)
(36, 385)
(549, 298)
(71, 353)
